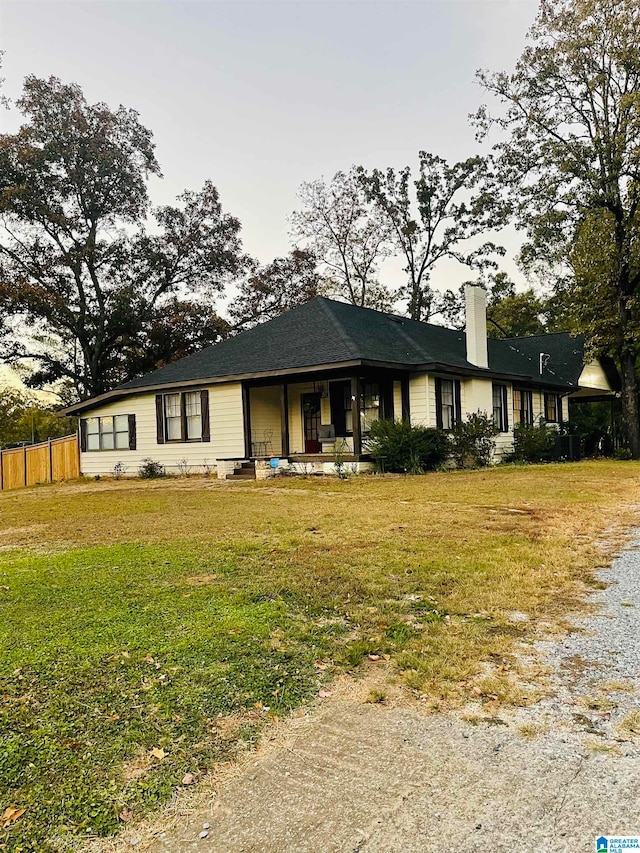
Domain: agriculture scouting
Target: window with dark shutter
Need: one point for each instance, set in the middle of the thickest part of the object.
(183, 416)
(448, 403)
(552, 407)
(500, 417)
(107, 432)
(522, 406)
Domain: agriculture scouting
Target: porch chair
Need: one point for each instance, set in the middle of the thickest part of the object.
(258, 447)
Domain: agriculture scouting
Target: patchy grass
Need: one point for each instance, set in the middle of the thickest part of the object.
(597, 703)
(631, 723)
(532, 730)
(617, 686)
(148, 629)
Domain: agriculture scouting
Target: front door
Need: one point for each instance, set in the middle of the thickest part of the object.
(311, 422)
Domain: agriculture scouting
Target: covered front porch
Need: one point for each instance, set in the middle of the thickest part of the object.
(320, 416)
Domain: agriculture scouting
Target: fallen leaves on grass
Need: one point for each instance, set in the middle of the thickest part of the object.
(10, 815)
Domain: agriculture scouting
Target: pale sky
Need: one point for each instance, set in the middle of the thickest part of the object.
(260, 96)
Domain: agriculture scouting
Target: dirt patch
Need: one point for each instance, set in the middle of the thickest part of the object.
(200, 580)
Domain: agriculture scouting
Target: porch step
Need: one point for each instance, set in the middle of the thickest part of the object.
(247, 471)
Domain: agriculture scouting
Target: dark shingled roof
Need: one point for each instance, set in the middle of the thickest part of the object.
(565, 355)
(323, 331)
(326, 332)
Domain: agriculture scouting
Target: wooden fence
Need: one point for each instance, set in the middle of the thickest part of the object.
(47, 462)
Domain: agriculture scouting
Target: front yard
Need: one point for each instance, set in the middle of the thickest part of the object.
(148, 630)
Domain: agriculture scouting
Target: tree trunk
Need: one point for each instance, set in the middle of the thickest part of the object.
(630, 402)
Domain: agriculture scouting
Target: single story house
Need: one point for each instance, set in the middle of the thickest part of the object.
(289, 391)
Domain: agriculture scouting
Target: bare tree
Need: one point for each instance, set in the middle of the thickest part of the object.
(347, 234)
(435, 217)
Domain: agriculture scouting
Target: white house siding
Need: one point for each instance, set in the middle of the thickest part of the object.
(226, 425)
(418, 399)
(266, 427)
(593, 378)
(397, 401)
(478, 395)
(227, 421)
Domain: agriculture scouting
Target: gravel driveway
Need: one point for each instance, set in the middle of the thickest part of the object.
(359, 777)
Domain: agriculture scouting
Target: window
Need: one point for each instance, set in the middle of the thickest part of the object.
(115, 432)
(448, 408)
(552, 407)
(522, 406)
(193, 416)
(500, 417)
(182, 416)
(173, 417)
(369, 405)
(341, 407)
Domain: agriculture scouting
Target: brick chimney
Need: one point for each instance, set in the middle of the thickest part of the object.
(475, 299)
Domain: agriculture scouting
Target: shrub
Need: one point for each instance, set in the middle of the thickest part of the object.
(623, 454)
(473, 441)
(340, 466)
(399, 447)
(150, 470)
(534, 442)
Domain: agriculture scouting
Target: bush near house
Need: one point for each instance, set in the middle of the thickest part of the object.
(534, 442)
(473, 441)
(151, 470)
(400, 448)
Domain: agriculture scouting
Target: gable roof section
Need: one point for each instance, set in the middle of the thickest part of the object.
(327, 333)
(566, 355)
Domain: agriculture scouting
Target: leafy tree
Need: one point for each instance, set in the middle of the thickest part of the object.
(509, 314)
(81, 276)
(571, 158)
(435, 217)
(275, 288)
(171, 330)
(24, 418)
(348, 236)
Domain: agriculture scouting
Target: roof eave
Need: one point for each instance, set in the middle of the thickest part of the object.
(120, 393)
(426, 367)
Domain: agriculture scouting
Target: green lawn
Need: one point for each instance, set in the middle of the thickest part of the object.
(147, 630)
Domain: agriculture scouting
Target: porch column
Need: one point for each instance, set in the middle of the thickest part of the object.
(355, 415)
(246, 414)
(284, 419)
(406, 408)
